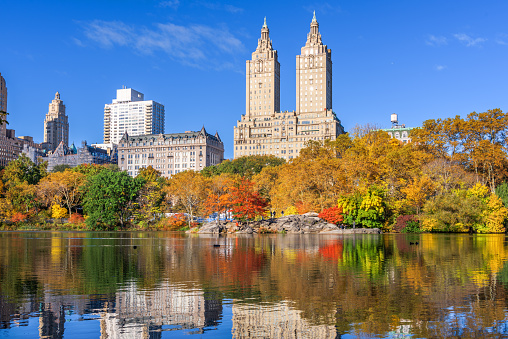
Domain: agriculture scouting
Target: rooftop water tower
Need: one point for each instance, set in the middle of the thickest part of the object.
(394, 119)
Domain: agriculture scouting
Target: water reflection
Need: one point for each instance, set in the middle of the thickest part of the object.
(152, 285)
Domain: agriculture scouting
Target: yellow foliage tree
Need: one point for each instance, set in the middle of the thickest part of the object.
(493, 216)
(418, 191)
(58, 212)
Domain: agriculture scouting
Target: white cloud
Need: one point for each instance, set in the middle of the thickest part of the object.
(233, 9)
(109, 33)
(170, 3)
(433, 40)
(78, 42)
(502, 39)
(440, 67)
(469, 41)
(323, 8)
(196, 45)
(220, 7)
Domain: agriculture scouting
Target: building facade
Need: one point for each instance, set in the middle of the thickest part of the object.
(264, 129)
(170, 153)
(56, 124)
(130, 113)
(3, 97)
(10, 145)
(399, 131)
(74, 156)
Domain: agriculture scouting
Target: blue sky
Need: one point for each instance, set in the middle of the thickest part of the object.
(422, 59)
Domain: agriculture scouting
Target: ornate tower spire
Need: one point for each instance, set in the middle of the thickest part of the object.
(314, 37)
(265, 36)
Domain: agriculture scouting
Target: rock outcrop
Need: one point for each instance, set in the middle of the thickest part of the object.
(295, 224)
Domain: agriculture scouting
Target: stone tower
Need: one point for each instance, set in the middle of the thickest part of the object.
(314, 74)
(263, 79)
(56, 125)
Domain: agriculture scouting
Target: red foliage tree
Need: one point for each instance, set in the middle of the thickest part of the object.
(247, 203)
(18, 217)
(76, 219)
(333, 215)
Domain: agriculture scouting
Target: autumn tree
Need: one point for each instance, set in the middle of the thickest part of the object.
(367, 208)
(151, 196)
(332, 215)
(62, 188)
(186, 189)
(247, 202)
(218, 194)
(20, 177)
(418, 191)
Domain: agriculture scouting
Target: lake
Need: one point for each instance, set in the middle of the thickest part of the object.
(162, 284)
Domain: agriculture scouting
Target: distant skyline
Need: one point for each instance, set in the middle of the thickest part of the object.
(419, 59)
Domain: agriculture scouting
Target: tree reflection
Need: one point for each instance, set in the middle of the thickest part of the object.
(447, 285)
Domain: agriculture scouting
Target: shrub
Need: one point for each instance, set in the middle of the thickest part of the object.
(332, 215)
(58, 212)
(18, 217)
(407, 224)
(76, 219)
(173, 223)
(412, 226)
(264, 230)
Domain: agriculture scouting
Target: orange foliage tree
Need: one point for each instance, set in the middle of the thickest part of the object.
(219, 198)
(247, 203)
(332, 215)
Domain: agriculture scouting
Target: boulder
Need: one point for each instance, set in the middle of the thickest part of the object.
(211, 228)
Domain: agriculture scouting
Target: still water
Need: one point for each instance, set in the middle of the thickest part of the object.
(159, 285)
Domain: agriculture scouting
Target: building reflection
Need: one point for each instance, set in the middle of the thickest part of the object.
(146, 313)
(278, 320)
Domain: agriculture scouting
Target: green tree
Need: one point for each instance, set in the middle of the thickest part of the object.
(108, 198)
(367, 209)
(244, 166)
(454, 211)
(24, 170)
(60, 168)
(502, 192)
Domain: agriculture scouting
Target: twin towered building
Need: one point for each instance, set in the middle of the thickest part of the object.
(266, 130)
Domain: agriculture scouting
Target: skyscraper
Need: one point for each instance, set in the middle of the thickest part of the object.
(130, 113)
(3, 102)
(314, 73)
(264, 129)
(56, 125)
(263, 78)
(10, 145)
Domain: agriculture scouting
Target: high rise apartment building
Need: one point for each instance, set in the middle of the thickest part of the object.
(3, 102)
(266, 130)
(56, 124)
(131, 113)
(314, 73)
(263, 78)
(10, 145)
